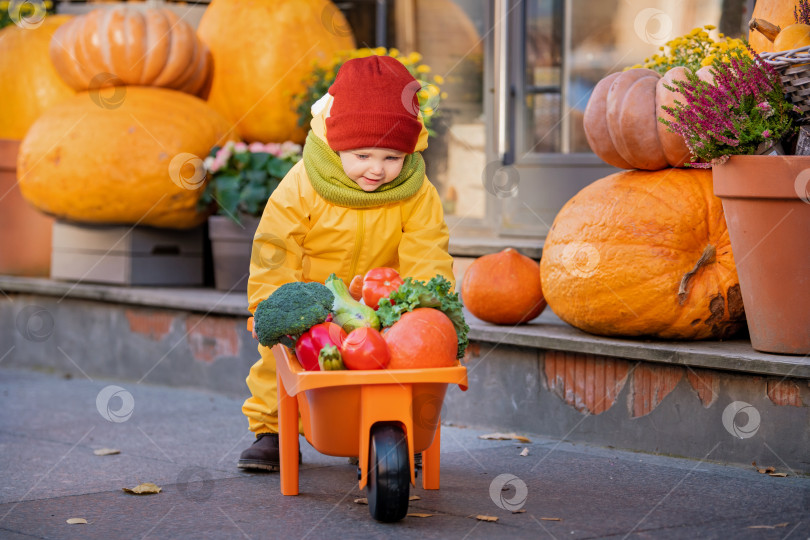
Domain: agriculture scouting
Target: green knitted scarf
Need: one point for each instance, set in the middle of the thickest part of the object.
(330, 181)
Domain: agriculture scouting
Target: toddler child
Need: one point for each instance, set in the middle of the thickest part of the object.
(359, 199)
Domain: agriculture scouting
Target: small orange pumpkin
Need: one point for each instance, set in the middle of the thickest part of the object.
(642, 253)
(422, 338)
(151, 47)
(503, 288)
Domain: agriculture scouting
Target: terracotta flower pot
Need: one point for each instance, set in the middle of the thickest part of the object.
(766, 200)
(25, 232)
(231, 247)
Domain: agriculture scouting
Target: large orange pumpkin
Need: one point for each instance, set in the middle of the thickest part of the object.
(134, 159)
(151, 47)
(422, 338)
(263, 50)
(778, 12)
(28, 82)
(503, 288)
(644, 254)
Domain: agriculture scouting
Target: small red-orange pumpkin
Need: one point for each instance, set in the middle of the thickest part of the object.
(503, 288)
(422, 338)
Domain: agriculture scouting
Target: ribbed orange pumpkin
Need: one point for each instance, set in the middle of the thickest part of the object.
(263, 50)
(644, 254)
(778, 12)
(129, 163)
(503, 288)
(146, 47)
(621, 122)
(28, 82)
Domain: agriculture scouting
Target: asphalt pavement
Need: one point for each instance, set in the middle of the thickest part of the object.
(187, 442)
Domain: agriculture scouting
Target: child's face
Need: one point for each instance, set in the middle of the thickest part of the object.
(371, 168)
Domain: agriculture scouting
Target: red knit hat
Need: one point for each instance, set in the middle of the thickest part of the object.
(375, 106)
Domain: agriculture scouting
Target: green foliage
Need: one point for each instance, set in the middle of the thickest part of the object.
(243, 177)
(24, 13)
(436, 293)
(290, 311)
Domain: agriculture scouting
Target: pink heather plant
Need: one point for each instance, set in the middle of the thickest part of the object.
(744, 107)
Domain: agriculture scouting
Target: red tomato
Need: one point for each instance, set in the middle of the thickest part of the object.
(379, 283)
(365, 348)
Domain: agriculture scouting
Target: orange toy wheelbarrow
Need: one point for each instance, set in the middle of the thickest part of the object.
(384, 417)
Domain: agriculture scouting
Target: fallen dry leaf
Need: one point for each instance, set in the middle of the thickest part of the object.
(361, 501)
(550, 519)
(525, 452)
(777, 474)
(504, 437)
(106, 452)
(768, 526)
(77, 521)
(147, 488)
(481, 517)
(414, 498)
(417, 514)
(521, 511)
(762, 471)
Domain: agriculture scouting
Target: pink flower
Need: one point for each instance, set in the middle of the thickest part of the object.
(766, 133)
(273, 148)
(224, 153)
(256, 147)
(218, 163)
(765, 107)
(240, 147)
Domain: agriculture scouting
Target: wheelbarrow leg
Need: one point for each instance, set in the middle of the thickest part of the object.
(288, 440)
(430, 461)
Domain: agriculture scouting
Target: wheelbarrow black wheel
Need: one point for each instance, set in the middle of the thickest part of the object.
(389, 473)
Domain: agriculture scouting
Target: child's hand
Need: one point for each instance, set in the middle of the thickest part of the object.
(252, 328)
(356, 287)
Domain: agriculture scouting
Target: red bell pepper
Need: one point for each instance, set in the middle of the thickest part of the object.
(379, 283)
(309, 345)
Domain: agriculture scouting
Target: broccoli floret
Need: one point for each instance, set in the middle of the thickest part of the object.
(290, 311)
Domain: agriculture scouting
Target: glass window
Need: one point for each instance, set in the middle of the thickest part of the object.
(450, 36)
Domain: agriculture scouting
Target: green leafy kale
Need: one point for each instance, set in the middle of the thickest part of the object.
(436, 294)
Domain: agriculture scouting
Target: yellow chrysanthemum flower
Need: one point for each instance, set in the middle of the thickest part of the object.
(439, 79)
(709, 27)
(423, 69)
(380, 51)
(393, 53)
(427, 111)
(414, 57)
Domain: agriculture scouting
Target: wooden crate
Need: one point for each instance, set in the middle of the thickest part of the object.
(126, 255)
